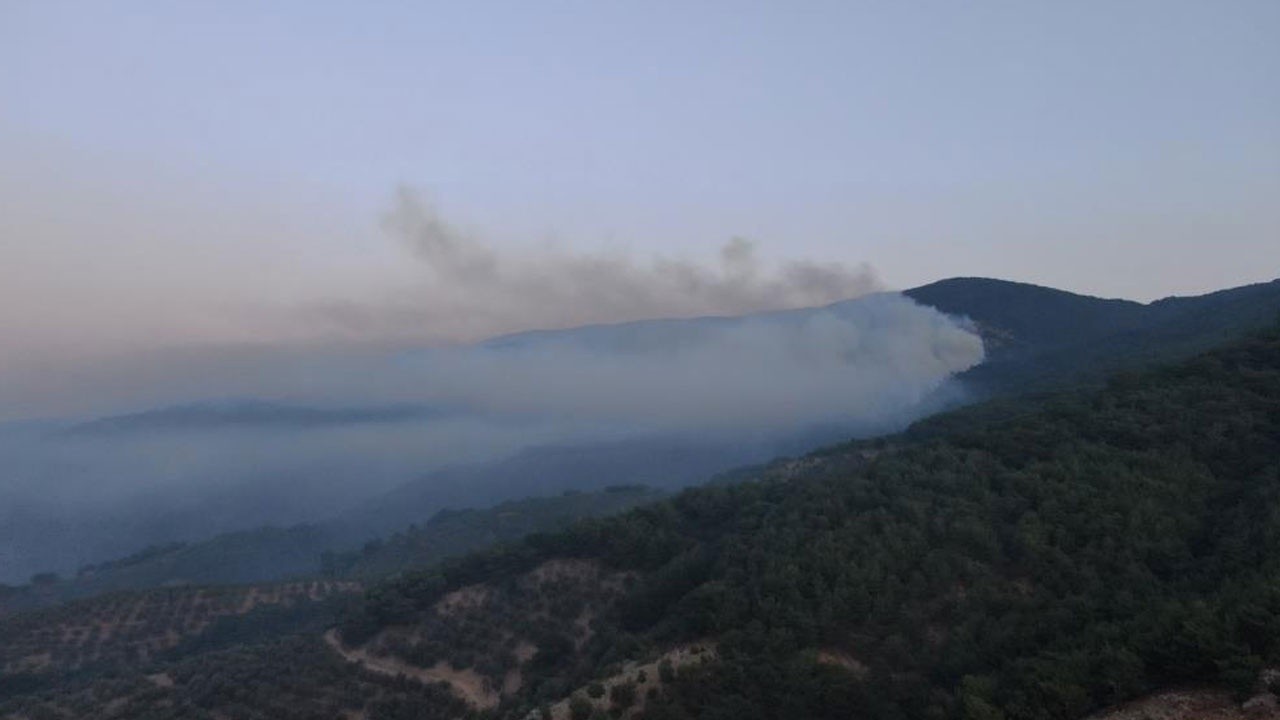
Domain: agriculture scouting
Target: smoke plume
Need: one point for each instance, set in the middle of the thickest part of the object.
(472, 290)
(868, 362)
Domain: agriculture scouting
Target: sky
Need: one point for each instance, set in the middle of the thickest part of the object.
(221, 173)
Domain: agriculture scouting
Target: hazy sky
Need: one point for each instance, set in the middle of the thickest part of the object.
(217, 171)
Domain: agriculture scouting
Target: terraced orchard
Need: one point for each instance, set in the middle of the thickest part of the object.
(529, 635)
(135, 628)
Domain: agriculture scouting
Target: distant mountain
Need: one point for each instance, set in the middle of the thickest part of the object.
(1038, 338)
(1033, 335)
(253, 415)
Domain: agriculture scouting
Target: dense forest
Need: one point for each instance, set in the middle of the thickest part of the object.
(1097, 547)
(455, 532)
(1026, 559)
(1040, 338)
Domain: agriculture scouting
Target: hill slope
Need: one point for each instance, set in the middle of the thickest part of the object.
(1042, 567)
(1039, 338)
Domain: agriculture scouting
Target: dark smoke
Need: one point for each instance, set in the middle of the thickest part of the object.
(472, 290)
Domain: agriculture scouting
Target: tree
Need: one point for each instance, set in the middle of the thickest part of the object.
(580, 708)
(623, 695)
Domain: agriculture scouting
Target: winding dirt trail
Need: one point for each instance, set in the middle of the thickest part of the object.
(466, 684)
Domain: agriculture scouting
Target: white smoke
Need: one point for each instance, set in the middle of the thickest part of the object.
(869, 361)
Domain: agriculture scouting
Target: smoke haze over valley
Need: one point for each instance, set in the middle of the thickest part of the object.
(319, 431)
(465, 355)
(639, 361)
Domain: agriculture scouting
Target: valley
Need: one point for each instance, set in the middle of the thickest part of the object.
(1042, 556)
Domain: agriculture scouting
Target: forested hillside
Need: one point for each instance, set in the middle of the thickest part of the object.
(1040, 338)
(1043, 566)
(1036, 561)
(455, 532)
